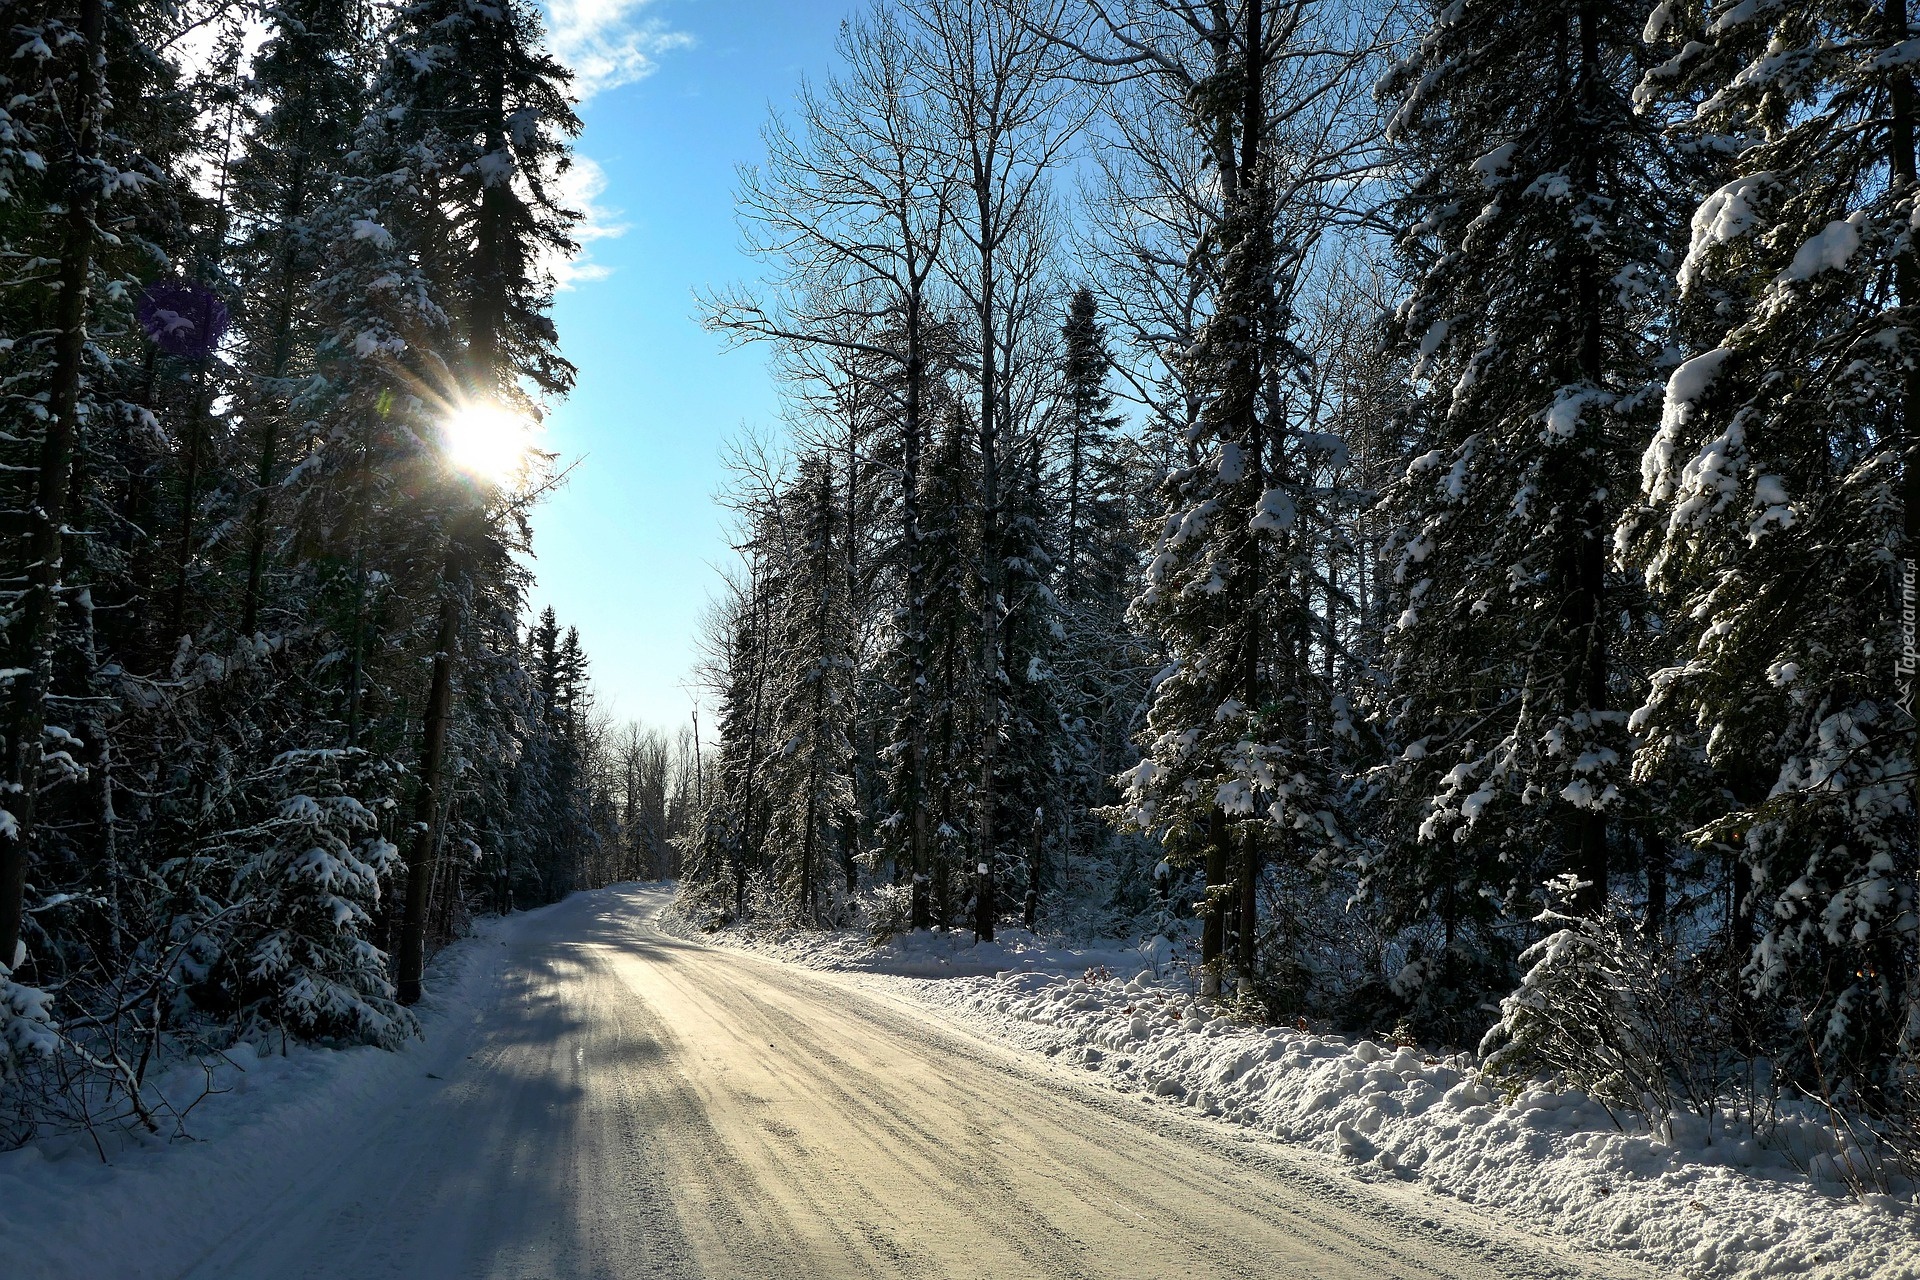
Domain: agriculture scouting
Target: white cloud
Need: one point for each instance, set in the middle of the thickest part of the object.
(580, 189)
(609, 42)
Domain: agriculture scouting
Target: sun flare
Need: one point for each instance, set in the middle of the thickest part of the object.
(487, 442)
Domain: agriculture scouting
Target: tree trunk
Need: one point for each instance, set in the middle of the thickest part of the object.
(1030, 908)
(196, 434)
(985, 907)
(1589, 586)
(1907, 285)
(917, 833)
(357, 641)
(1213, 926)
(488, 309)
(293, 209)
(949, 738)
(750, 805)
(807, 850)
(1249, 938)
(862, 774)
(32, 651)
(429, 809)
(1252, 370)
(1654, 859)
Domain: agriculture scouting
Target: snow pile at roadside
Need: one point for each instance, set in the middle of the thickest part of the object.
(251, 1115)
(926, 954)
(1707, 1205)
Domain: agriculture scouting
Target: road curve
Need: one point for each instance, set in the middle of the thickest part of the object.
(629, 1104)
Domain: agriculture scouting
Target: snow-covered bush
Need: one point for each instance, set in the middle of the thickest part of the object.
(297, 958)
(1423, 988)
(1642, 1025)
(27, 1030)
(1629, 1019)
(706, 904)
(889, 911)
(765, 906)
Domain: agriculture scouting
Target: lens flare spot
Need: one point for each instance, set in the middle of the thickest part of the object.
(487, 442)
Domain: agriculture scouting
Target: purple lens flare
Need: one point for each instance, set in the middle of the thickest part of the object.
(183, 318)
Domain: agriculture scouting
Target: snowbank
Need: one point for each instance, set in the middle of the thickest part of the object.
(251, 1118)
(927, 954)
(1717, 1205)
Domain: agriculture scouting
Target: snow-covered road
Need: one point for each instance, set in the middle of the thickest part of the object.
(609, 1101)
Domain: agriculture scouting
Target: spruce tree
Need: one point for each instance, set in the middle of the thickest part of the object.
(812, 770)
(1238, 752)
(1536, 228)
(1100, 662)
(950, 542)
(479, 115)
(1032, 762)
(1779, 513)
(308, 94)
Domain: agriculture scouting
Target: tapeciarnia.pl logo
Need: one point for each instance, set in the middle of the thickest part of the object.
(1909, 659)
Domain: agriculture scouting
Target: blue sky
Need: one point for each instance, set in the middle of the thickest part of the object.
(678, 90)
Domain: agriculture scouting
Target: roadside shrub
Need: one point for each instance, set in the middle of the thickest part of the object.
(889, 911)
(1629, 1019)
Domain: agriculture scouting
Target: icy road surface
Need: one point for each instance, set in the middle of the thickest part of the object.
(617, 1102)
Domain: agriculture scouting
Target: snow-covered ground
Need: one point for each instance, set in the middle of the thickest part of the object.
(1698, 1203)
(594, 1098)
(250, 1118)
(454, 1145)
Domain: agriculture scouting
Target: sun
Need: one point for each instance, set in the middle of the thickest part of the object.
(487, 442)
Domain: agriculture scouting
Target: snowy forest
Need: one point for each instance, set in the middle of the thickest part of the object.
(274, 284)
(1403, 512)
(1414, 503)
